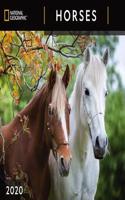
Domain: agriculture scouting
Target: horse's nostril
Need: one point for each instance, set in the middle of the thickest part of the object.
(97, 142)
(106, 141)
(62, 161)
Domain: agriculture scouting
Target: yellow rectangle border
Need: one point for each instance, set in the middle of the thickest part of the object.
(6, 13)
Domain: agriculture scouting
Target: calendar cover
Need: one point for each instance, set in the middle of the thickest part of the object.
(62, 100)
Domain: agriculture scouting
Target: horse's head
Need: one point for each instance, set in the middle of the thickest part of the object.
(57, 120)
(94, 92)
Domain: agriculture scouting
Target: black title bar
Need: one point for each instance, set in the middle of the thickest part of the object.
(48, 15)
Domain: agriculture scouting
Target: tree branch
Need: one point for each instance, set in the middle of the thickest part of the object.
(20, 38)
(57, 51)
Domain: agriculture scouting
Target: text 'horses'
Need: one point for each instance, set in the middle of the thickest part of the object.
(42, 125)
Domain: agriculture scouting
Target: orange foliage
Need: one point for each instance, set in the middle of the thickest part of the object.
(26, 55)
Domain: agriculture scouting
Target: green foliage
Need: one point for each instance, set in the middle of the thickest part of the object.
(112, 179)
(105, 41)
(6, 106)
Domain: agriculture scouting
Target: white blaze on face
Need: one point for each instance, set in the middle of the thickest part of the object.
(64, 127)
(58, 102)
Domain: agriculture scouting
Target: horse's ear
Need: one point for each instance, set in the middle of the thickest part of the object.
(87, 55)
(66, 76)
(105, 57)
(52, 79)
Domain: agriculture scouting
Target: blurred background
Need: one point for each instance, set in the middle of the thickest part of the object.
(26, 59)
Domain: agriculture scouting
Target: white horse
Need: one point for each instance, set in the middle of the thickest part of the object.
(88, 139)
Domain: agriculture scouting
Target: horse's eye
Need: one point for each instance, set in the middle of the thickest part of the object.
(87, 92)
(50, 111)
(106, 93)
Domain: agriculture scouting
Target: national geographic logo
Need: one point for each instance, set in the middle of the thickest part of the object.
(14, 15)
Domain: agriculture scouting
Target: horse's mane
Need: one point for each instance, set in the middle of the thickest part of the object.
(96, 69)
(57, 99)
(59, 96)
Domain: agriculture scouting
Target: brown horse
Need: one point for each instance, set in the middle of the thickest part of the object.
(41, 126)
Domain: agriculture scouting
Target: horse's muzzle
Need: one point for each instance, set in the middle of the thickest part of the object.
(100, 147)
(64, 166)
(99, 153)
